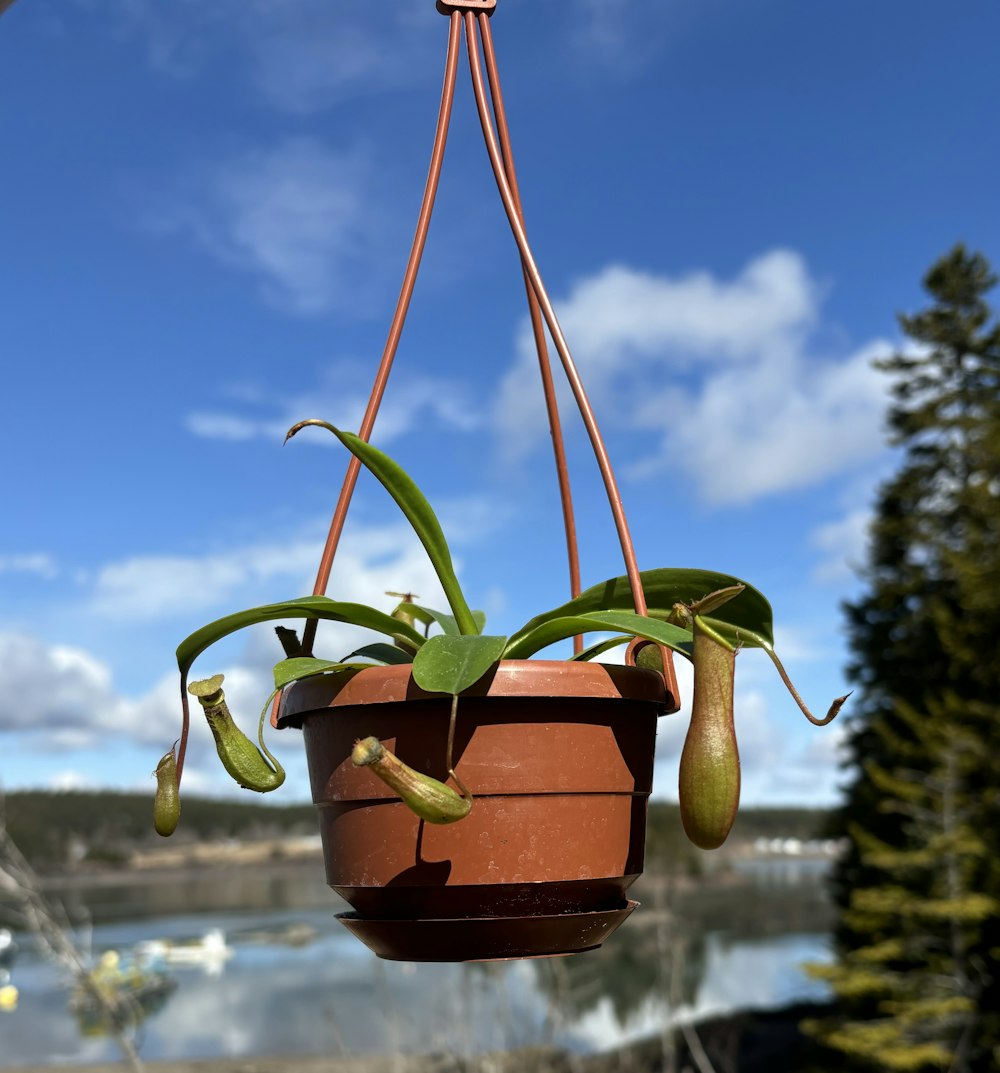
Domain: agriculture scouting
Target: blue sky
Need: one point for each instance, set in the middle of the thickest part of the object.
(206, 213)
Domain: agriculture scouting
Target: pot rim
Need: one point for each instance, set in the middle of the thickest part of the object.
(509, 678)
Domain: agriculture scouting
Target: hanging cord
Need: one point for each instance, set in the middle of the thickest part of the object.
(531, 269)
(538, 330)
(539, 305)
(396, 328)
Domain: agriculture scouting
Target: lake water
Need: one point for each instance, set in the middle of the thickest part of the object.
(297, 983)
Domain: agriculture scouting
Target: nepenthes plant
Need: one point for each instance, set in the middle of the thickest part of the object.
(704, 616)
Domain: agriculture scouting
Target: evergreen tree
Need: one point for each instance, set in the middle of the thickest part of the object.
(917, 975)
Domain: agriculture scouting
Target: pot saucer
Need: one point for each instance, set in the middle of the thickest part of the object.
(486, 938)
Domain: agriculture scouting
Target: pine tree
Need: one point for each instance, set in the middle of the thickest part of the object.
(917, 975)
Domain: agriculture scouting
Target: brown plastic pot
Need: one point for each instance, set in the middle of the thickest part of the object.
(559, 758)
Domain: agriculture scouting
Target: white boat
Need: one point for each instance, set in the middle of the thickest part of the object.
(210, 952)
(8, 951)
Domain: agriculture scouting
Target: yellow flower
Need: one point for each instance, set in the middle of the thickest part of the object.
(8, 998)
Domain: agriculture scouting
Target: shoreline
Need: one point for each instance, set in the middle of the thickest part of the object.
(138, 874)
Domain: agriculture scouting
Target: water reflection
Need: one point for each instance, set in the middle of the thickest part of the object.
(657, 956)
(297, 983)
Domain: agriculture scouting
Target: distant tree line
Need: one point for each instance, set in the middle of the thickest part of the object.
(104, 827)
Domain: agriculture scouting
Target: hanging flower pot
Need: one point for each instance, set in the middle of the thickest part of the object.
(561, 758)
(475, 802)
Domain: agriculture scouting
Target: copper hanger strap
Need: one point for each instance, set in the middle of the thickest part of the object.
(398, 320)
(539, 305)
(538, 331)
(538, 293)
(337, 524)
(527, 259)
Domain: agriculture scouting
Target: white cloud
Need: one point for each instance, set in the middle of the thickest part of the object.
(61, 700)
(719, 372)
(607, 32)
(70, 780)
(216, 425)
(150, 586)
(341, 399)
(621, 313)
(60, 692)
(68, 694)
(294, 216)
(370, 560)
(624, 325)
(844, 544)
(300, 55)
(38, 563)
(786, 421)
(319, 56)
(173, 44)
(794, 645)
(48, 686)
(802, 771)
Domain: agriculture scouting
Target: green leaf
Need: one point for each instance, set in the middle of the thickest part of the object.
(745, 619)
(411, 501)
(448, 623)
(298, 667)
(428, 615)
(383, 653)
(304, 607)
(448, 664)
(526, 644)
(600, 648)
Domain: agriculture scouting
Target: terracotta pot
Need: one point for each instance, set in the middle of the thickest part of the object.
(559, 758)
